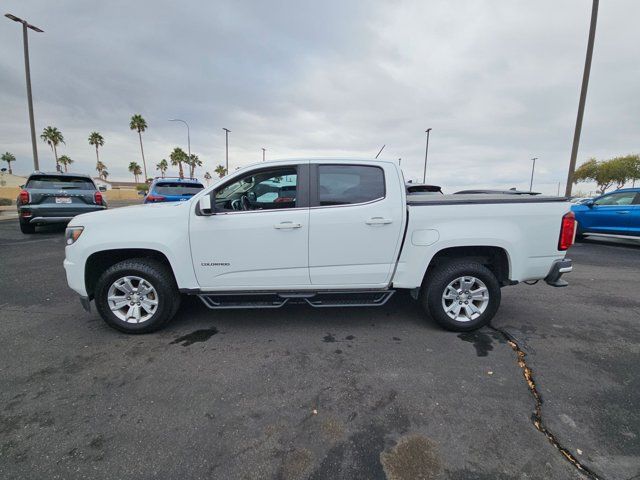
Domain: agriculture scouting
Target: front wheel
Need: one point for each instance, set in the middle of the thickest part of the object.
(461, 295)
(137, 295)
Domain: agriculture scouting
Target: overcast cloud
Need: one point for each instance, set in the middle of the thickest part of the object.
(498, 81)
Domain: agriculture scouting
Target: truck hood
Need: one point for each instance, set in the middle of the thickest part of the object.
(133, 213)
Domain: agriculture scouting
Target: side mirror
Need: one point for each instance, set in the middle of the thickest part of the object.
(589, 203)
(204, 204)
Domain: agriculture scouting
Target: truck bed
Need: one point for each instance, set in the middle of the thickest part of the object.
(465, 199)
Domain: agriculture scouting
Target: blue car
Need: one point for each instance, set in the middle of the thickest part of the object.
(172, 190)
(615, 213)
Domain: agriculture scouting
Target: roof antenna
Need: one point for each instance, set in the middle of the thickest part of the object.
(381, 150)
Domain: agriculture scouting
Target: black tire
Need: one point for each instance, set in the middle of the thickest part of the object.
(27, 228)
(441, 276)
(154, 272)
(579, 233)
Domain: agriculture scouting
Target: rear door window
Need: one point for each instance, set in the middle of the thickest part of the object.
(349, 184)
(177, 188)
(55, 182)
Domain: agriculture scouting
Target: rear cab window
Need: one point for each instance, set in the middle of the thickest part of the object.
(177, 188)
(59, 182)
(349, 184)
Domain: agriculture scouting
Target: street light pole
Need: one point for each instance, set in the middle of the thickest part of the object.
(583, 97)
(263, 153)
(188, 134)
(226, 138)
(426, 154)
(27, 69)
(533, 169)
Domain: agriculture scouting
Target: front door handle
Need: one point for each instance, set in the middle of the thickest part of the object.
(378, 221)
(623, 212)
(287, 225)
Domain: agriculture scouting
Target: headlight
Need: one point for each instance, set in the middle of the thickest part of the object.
(72, 234)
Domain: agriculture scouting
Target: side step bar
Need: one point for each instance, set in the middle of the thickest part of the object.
(357, 298)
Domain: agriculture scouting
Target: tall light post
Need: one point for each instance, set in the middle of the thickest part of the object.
(27, 69)
(426, 154)
(583, 97)
(533, 169)
(188, 134)
(263, 153)
(226, 141)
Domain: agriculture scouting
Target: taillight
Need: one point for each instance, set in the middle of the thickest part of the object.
(567, 231)
(155, 198)
(24, 197)
(97, 198)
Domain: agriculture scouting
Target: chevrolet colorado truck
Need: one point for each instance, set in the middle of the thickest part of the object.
(323, 232)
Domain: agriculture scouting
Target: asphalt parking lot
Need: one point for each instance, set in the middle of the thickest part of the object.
(320, 394)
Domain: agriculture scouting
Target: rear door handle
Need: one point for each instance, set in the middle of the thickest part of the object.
(287, 225)
(378, 221)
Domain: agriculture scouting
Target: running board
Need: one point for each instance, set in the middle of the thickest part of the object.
(357, 298)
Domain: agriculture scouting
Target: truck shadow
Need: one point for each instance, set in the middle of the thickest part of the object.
(401, 308)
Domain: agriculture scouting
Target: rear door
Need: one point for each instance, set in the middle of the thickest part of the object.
(356, 224)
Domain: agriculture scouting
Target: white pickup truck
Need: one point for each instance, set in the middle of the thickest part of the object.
(328, 233)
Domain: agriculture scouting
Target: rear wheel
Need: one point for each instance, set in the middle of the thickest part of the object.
(461, 295)
(137, 295)
(27, 228)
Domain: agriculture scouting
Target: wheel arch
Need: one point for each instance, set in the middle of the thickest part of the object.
(98, 262)
(493, 257)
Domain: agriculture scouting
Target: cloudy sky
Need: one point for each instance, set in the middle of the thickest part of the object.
(497, 80)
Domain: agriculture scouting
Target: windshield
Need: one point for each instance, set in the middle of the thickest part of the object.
(177, 188)
(60, 183)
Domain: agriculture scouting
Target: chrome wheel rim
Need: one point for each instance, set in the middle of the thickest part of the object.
(465, 299)
(132, 299)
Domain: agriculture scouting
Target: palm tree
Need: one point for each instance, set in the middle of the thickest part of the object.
(178, 157)
(140, 125)
(100, 167)
(221, 171)
(66, 161)
(135, 169)
(163, 166)
(53, 137)
(8, 157)
(97, 140)
(193, 161)
(207, 177)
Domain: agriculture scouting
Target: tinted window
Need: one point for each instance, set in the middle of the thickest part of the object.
(622, 198)
(347, 184)
(177, 188)
(263, 190)
(60, 183)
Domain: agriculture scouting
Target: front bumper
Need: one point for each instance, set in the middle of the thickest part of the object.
(559, 268)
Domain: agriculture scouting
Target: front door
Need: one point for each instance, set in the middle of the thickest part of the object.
(356, 224)
(258, 237)
(612, 213)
